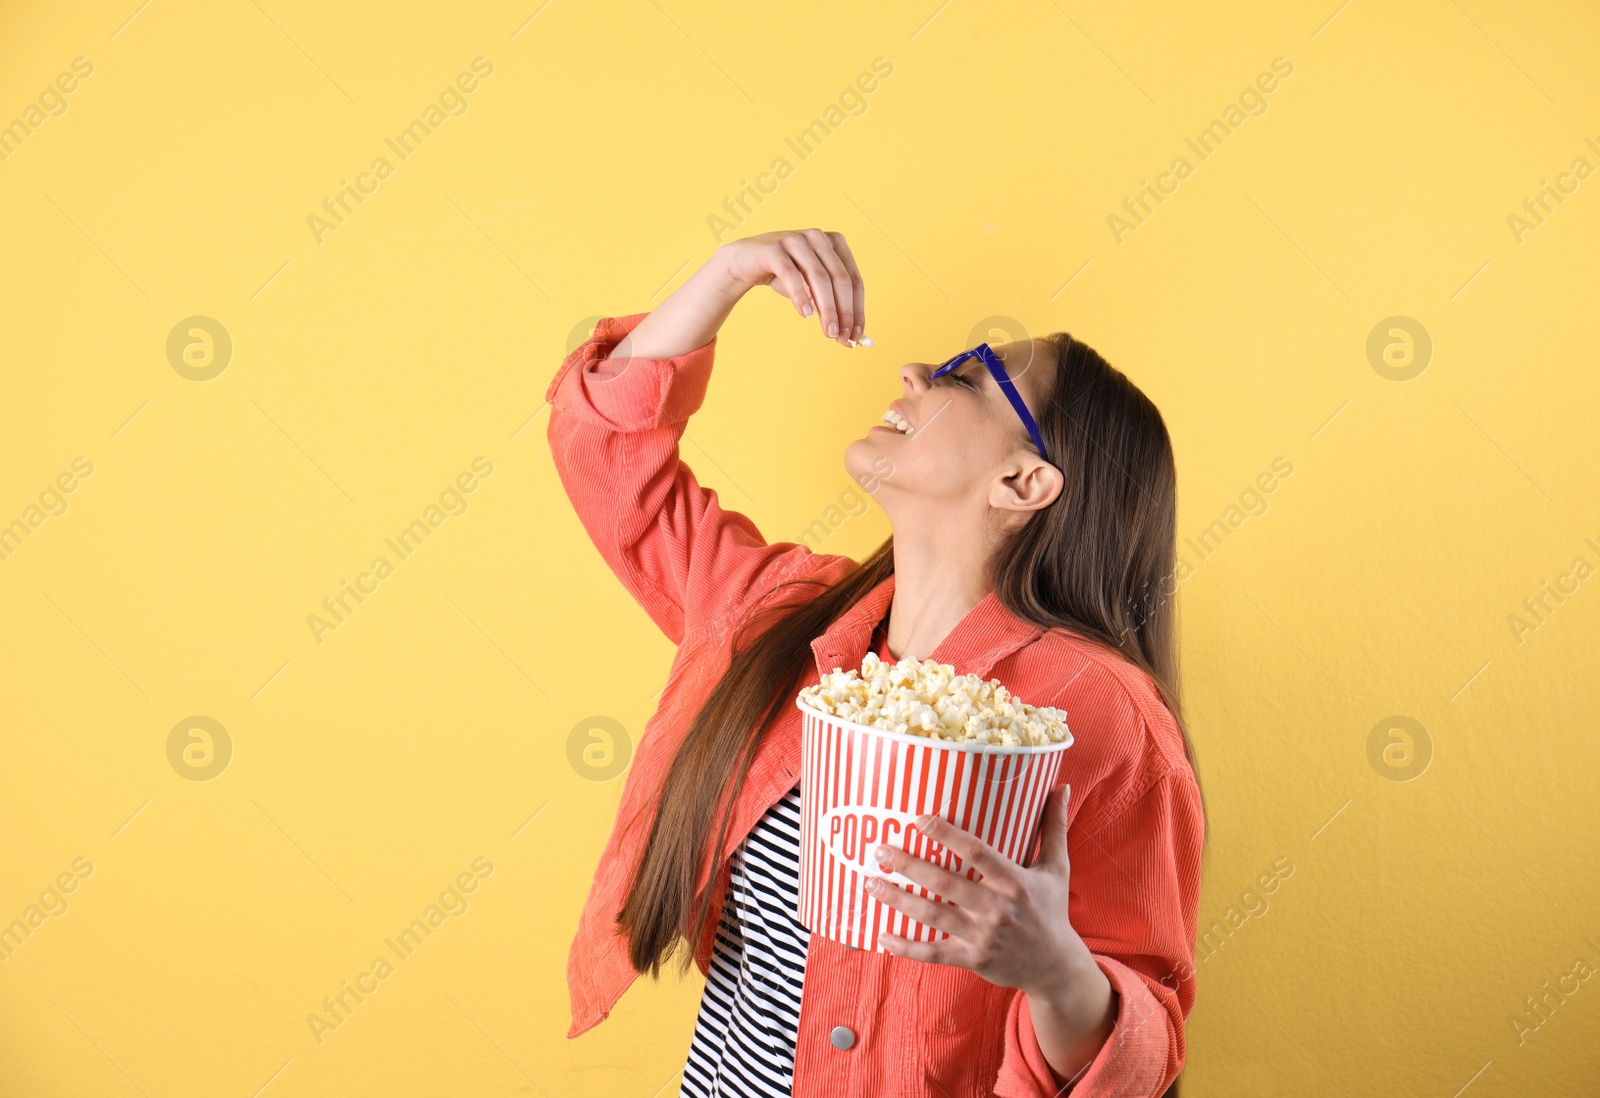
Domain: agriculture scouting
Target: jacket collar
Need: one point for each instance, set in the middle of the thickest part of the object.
(988, 634)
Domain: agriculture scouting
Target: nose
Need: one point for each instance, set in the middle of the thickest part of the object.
(914, 376)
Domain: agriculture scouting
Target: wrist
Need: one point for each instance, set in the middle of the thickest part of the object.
(1077, 995)
(689, 318)
(1074, 968)
(721, 276)
(1073, 1017)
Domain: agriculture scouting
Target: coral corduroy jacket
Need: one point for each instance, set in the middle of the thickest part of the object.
(1135, 825)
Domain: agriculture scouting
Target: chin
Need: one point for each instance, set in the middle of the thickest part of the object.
(868, 463)
(859, 455)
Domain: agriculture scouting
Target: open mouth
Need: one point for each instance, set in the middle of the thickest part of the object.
(897, 421)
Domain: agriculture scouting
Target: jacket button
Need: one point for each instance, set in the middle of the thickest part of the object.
(843, 1037)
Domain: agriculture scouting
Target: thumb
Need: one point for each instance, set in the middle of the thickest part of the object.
(1053, 830)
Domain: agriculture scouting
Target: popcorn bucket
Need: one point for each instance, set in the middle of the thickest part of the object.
(861, 787)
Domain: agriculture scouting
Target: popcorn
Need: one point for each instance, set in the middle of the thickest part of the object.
(928, 698)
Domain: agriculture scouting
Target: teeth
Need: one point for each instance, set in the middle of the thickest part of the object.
(897, 421)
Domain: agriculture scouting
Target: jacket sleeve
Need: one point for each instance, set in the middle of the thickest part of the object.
(613, 432)
(1143, 868)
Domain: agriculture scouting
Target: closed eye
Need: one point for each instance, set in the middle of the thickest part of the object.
(967, 381)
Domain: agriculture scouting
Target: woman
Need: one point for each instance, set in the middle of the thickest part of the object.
(1034, 542)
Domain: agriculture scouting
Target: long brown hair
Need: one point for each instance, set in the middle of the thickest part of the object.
(1099, 562)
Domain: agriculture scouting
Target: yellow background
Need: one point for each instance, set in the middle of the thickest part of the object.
(432, 726)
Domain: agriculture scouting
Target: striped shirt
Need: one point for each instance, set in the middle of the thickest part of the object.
(749, 1017)
(749, 1020)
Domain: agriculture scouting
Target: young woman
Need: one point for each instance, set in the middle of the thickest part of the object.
(1034, 542)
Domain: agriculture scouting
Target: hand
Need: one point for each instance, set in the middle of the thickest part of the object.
(1011, 927)
(813, 269)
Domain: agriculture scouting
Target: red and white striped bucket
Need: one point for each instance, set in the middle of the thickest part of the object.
(862, 787)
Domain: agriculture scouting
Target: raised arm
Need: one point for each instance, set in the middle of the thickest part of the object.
(621, 401)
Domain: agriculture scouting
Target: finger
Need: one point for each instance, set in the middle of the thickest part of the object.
(974, 853)
(1053, 831)
(946, 952)
(844, 291)
(936, 879)
(940, 916)
(817, 279)
(849, 259)
(787, 275)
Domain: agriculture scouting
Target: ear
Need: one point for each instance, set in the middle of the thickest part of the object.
(1031, 484)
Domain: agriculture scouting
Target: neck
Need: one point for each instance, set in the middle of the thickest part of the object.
(938, 579)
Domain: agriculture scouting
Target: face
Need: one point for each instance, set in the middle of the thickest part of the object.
(967, 454)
